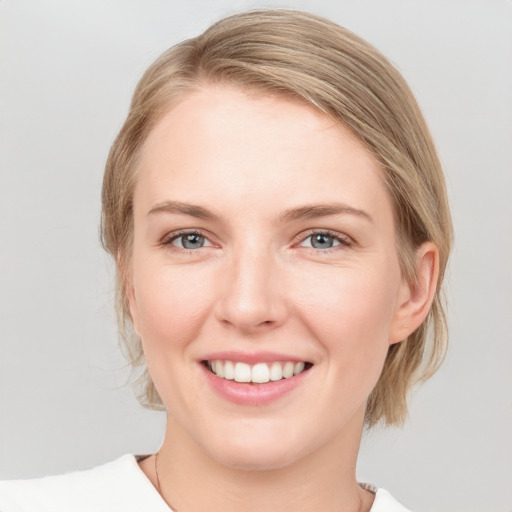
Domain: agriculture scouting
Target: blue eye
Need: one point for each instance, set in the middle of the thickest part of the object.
(324, 241)
(189, 241)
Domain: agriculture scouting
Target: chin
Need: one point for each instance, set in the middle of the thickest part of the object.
(255, 460)
(256, 450)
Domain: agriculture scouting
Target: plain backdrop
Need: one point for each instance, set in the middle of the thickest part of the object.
(68, 69)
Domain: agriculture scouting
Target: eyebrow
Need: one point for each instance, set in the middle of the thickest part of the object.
(293, 214)
(185, 209)
(322, 210)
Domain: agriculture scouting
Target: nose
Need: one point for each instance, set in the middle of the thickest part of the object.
(251, 296)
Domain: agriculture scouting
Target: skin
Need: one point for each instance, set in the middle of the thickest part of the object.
(258, 284)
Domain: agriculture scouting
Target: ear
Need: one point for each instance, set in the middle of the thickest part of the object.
(415, 299)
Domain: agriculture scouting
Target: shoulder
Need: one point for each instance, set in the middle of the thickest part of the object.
(117, 485)
(384, 501)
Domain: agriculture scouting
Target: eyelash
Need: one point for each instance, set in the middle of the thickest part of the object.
(344, 241)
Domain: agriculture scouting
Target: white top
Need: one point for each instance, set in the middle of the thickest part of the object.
(119, 486)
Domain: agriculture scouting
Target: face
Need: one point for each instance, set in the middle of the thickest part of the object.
(264, 279)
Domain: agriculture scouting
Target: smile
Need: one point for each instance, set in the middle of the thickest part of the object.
(259, 373)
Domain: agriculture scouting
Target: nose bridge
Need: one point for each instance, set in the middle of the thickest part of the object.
(251, 294)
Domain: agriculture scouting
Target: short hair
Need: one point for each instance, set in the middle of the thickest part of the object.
(302, 56)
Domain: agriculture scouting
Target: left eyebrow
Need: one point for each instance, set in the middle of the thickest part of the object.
(322, 210)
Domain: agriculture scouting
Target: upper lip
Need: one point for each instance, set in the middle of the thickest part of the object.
(251, 357)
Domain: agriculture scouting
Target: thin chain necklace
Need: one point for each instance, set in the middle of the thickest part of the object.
(174, 509)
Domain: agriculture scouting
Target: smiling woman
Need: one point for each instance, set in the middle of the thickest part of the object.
(256, 283)
(279, 221)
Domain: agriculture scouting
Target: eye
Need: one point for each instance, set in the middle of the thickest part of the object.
(188, 240)
(324, 240)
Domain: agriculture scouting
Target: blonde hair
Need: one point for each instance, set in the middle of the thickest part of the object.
(314, 60)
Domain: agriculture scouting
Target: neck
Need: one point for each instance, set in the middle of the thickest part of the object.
(192, 481)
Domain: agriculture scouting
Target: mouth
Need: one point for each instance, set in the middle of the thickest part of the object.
(259, 373)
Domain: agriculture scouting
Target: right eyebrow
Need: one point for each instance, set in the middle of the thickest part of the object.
(192, 210)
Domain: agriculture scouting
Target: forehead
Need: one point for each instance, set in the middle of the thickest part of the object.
(232, 145)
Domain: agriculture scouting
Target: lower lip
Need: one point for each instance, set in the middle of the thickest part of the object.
(252, 394)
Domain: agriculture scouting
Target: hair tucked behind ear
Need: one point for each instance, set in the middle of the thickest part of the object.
(312, 59)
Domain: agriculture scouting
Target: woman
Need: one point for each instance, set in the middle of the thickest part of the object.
(278, 217)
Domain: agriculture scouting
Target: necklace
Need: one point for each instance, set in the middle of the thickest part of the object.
(159, 488)
(156, 471)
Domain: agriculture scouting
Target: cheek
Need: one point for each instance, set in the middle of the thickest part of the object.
(351, 312)
(171, 304)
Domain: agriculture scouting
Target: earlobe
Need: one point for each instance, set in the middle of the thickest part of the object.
(416, 298)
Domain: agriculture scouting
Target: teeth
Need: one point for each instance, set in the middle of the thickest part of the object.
(276, 371)
(242, 372)
(299, 368)
(288, 370)
(219, 368)
(259, 373)
(229, 370)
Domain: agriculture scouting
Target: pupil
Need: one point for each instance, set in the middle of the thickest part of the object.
(192, 241)
(322, 241)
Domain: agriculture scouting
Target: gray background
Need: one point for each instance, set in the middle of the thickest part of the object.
(67, 72)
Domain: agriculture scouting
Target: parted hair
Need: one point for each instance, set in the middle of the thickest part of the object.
(302, 56)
